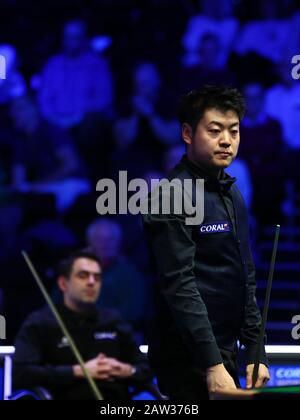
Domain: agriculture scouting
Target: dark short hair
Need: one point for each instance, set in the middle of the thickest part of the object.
(66, 266)
(197, 102)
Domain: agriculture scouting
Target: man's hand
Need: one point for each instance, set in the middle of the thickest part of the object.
(105, 368)
(99, 368)
(262, 379)
(120, 370)
(218, 379)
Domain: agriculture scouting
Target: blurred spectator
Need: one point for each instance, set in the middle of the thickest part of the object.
(123, 286)
(283, 103)
(209, 71)
(172, 157)
(267, 37)
(144, 135)
(239, 170)
(216, 18)
(262, 149)
(75, 82)
(14, 85)
(294, 41)
(45, 160)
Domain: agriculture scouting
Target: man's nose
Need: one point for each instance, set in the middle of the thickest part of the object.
(91, 279)
(225, 140)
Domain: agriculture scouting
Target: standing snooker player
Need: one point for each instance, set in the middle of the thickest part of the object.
(205, 301)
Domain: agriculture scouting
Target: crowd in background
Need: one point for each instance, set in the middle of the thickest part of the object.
(92, 90)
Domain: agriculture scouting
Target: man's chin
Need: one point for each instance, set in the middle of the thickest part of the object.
(89, 300)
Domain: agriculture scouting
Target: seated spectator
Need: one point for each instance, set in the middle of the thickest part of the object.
(262, 149)
(216, 18)
(172, 157)
(209, 71)
(75, 82)
(45, 160)
(143, 135)
(123, 286)
(43, 356)
(14, 85)
(239, 170)
(267, 37)
(283, 104)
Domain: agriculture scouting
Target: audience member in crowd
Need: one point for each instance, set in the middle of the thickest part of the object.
(269, 36)
(45, 160)
(262, 149)
(209, 70)
(123, 286)
(239, 170)
(216, 18)
(43, 356)
(76, 81)
(283, 104)
(143, 135)
(172, 157)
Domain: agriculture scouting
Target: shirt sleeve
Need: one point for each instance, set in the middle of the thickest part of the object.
(28, 367)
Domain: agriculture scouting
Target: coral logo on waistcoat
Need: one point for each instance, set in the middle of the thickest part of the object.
(218, 227)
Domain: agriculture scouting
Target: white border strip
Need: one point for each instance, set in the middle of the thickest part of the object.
(7, 350)
(283, 350)
(7, 377)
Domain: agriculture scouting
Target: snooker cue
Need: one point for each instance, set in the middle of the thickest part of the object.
(97, 394)
(266, 308)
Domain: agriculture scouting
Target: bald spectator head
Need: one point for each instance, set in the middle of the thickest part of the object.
(74, 37)
(104, 236)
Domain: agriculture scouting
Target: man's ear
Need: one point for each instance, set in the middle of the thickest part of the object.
(187, 133)
(61, 281)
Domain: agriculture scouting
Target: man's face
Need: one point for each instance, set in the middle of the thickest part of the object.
(83, 286)
(254, 97)
(214, 144)
(74, 37)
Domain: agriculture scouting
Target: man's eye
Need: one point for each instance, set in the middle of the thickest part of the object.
(82, 275)
(234, 132)
(214, 131)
